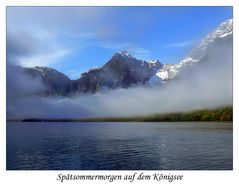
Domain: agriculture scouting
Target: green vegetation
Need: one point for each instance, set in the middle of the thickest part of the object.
(219, 114)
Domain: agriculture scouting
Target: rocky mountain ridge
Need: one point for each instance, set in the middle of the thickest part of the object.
(121, 71)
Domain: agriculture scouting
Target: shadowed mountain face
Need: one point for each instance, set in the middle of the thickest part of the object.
(121, 71)
(55, 82)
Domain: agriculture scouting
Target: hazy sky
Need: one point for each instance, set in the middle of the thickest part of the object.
(74, 39)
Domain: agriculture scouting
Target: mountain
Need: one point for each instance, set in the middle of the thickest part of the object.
(54, 81)
(170, 71)
(121, 71)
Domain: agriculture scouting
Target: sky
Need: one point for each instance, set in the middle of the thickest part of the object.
(75, 39)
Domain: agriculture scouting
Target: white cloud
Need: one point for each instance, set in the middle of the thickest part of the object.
(180, 44)
(40, 48)
(111, 45)
(141, 53)
(136, 51)
(44, 59)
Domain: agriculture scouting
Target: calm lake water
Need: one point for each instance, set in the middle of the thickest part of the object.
(119, 146)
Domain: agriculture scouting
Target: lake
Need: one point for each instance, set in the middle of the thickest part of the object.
(119, 146)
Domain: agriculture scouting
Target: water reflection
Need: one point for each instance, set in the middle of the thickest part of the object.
(119, 146)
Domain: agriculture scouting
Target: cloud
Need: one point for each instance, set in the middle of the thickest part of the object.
(180, 44)
(20, 86)
(136, 51)
(71, 22)
(45, 59)
(27, 49)
(141, 53)
(20, 44)
(55, 18)
(57, 32)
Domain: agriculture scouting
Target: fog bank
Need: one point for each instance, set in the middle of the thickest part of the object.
(207, 84)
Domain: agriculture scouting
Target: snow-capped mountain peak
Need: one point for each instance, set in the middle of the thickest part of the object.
(170, 71)
(153, 62)
(223, 30)
(123, 54)
(44, 69)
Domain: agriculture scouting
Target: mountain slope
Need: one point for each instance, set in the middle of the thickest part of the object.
(54, 81)
(169, 71)
(122, 70)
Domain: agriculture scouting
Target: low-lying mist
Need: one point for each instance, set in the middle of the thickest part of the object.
(207, 84)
